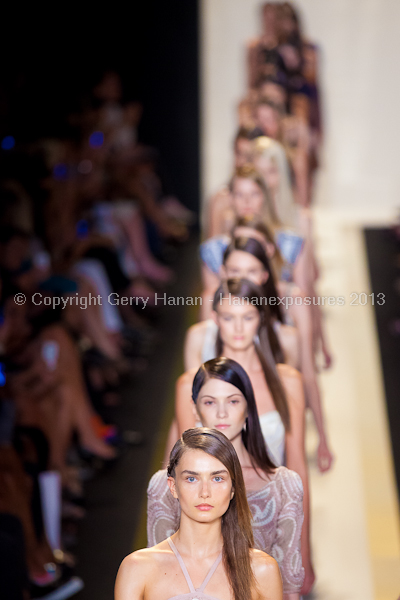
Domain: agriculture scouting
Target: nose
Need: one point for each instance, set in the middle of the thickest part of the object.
(221, 410)
(238, 326)
(205, 489)
(247, 199)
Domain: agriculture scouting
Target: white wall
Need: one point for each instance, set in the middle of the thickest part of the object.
(360, 50)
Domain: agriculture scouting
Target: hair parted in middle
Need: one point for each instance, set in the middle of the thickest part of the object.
(252, 246)
(269, 213)
(266, 343)
(236, 529)
(228, 370)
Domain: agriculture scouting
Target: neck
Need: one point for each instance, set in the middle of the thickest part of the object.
(198, 540)
(246, 358)
(241, 451)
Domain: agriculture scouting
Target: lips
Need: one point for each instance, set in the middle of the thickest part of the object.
(222, 426)
(204, 507)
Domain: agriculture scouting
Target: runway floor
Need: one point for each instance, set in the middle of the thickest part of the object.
(355, 510)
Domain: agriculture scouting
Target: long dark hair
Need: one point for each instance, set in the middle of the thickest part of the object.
(237, 533)
(253, 294)
(257, 224)
(255, 248)
(230, 371)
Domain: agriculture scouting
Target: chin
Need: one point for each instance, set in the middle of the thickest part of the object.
(242, 346)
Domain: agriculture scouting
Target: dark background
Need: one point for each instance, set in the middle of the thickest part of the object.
(52, 58)
(383, 252)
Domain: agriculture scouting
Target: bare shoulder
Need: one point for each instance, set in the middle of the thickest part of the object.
(142, 562)
(292, 381)
(134, 572)
(222, 194)
(264, 566)
(268, 576)
(253, 43)
(196, 332)
(289, 331)
(137, 570)
(287, 372)
(186, 379)
(262, 561)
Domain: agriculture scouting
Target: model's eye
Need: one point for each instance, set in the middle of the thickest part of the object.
(208, 402)
(249, 318)
(218, 478)
(190, 479)
(235, 401)
(227, 318)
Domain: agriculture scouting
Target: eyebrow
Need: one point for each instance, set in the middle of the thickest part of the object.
(213, 473)
(238, 393)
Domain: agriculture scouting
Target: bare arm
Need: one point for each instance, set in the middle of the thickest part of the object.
(218, 205)
(302, 315)
(252, 63)
(290, 343)
(210, 285)
(193, 345)
(296, 458)
(184, 407)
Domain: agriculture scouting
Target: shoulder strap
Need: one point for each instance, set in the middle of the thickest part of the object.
(182, 564)
(210, 574)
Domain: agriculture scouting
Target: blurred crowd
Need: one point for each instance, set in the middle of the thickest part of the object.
(84, 221)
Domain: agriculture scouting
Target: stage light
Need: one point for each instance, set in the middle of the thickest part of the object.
(60, 171)
(2, 375)
(96, 140)
(82, 229)
(8, 142)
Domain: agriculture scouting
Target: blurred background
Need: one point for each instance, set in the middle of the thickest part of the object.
(116, 127)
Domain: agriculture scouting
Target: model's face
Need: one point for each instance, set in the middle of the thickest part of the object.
(270, 19)
(244, 266)
(238, 323)
(203, 486)
(269, 170)
(221, 405)
(247, 197)
(243, 153)
(287, 24)
(274, 92)
(268, 120)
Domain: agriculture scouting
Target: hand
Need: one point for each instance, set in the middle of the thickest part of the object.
(325, 457)
(328, 360)
(308, 579)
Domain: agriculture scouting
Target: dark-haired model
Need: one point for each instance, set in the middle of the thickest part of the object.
(224, 400)
(211, 556)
